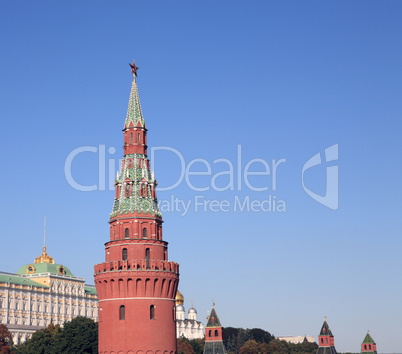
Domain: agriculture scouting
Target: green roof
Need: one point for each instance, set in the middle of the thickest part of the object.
(368, 339)
(134, 112)
(45, 268)
(20, 281)
(213, 319)
(90, 290)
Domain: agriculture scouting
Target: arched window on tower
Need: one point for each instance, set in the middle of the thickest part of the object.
(122, 312)
(124, 254)
(127, 190)
(139, 137)
(131, 137)
(152, 312)
(210, 333)
(143, 190)
(147, 257)
(126, 233)
(144, 232)
(216, 333)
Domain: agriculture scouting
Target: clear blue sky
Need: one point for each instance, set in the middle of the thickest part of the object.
(283, 79)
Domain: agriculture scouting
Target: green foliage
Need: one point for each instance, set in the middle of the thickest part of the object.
(77, 336)
(41, 342)
(277, 346)
(198, 345)
(235, 338)
(258, 341)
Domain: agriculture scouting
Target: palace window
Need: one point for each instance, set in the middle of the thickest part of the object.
(124, 254)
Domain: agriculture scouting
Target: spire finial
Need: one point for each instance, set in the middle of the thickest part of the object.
(134, 69)
(213, 303)
(325, 318)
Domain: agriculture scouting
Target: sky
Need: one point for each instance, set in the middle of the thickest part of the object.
(290, 113)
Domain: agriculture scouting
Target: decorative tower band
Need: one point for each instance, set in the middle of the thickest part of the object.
(136, 284)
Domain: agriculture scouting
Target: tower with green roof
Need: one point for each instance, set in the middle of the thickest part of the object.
(213, 334)
(368, 345)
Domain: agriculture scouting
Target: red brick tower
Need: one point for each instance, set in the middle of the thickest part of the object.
(136, 284)
(213, 334)
(326, 344)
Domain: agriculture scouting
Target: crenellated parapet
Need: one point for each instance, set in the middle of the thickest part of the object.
(138, 265)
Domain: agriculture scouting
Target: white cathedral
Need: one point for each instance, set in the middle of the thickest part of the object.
(187, 327)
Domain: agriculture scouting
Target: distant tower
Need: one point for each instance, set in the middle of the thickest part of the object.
(326, 340)
(368, 345)
(136, 284)
(213, 335)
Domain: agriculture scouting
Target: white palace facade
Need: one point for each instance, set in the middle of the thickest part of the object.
(42, 293)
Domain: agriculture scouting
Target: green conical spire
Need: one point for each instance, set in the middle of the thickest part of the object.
(134, 112)
(135, 183)
(368, 339)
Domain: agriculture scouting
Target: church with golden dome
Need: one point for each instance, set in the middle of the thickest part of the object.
(41, 293)
(187, 327)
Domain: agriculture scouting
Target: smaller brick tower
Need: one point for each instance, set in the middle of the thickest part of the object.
(326, 340)
(368, 345)
(213, 334)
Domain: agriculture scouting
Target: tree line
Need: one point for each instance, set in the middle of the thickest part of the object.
(80, 335)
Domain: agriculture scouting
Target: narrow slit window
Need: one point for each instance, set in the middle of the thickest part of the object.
(147, 257)
(144, 232)
(124, 254)
(126, 233)
(152, 312)
(122, 312)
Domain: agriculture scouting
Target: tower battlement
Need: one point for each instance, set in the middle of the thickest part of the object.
(137, 265)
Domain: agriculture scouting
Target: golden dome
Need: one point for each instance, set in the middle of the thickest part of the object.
(44, 257)
(179, 298)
